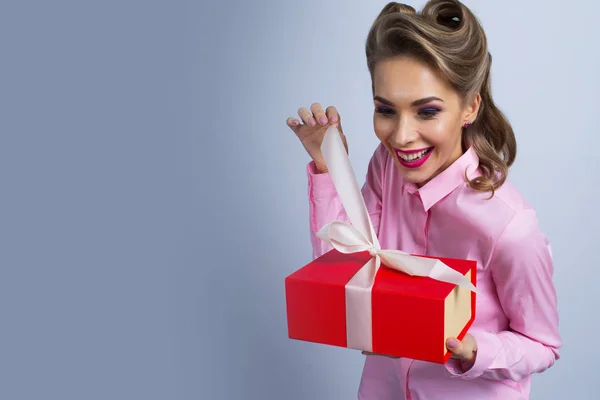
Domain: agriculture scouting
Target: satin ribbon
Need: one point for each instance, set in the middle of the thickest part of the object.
(359, 236)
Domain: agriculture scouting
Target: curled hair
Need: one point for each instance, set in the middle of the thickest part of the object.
(448, 37)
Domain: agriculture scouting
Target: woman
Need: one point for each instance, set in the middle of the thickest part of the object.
(436, 185)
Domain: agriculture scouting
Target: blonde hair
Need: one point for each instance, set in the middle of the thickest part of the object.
(449, 38)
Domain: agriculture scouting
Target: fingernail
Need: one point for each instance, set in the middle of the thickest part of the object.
(332, 119)
(323, 120)
(452, 343)
(295, 122)
(312, 122)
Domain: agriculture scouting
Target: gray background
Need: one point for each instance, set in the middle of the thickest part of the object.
(153, 200)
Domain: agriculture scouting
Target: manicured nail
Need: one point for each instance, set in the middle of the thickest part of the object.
(452, 343)
(332, 119)
(323, 120)
(295, 122)
(312, 122)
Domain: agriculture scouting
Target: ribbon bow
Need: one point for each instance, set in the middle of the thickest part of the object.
(359, 236)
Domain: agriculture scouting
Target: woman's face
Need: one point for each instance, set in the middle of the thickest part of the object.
(418, 117)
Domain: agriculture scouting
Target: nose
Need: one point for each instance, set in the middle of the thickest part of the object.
(405, 133)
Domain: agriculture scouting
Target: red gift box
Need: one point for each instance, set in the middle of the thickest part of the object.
(363, 297)
(412, 316)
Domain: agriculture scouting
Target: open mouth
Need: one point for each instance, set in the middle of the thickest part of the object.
(414, 156)
(413, 159)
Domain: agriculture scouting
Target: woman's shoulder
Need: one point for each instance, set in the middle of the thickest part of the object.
(509, 197)
(506, 208)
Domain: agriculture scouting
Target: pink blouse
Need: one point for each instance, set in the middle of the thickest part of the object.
(516, 324)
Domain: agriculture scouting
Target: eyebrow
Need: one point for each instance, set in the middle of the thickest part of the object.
(413, 104)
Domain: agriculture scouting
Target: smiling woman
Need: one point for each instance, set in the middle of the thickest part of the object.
(437, 186)
(424, 135)
(441, 50)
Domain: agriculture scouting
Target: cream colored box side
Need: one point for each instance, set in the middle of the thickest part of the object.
(457, 312)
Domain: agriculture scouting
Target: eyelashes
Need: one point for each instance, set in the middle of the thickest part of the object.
(429, 112)
(425, 113)
(384, 110)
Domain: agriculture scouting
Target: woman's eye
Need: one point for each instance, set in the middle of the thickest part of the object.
(428, 112)
(384, 110)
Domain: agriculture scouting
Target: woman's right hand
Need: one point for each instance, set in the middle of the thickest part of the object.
(312, 130)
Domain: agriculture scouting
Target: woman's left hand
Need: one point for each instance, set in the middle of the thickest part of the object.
(465, 350)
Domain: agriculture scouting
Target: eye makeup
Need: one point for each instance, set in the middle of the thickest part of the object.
(384, 110)
(425, 113)
(429, 112)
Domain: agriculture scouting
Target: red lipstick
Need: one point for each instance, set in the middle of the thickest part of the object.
(413, 158)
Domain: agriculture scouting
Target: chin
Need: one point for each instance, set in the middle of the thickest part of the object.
(418, 178)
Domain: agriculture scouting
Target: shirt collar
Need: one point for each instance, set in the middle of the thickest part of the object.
(446, 181)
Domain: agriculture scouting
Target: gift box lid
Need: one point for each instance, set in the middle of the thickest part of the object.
(337, 268)
(332, 267)
(395, 281)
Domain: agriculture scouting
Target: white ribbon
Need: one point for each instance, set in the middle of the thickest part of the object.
(360, 236)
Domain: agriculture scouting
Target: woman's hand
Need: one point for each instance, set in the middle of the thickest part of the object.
(312, 130)
(465, 350)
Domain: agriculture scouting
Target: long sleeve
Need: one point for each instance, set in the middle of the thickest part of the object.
(325, 206)
(522, 269)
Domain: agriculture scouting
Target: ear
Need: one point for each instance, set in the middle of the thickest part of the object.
(472, 108)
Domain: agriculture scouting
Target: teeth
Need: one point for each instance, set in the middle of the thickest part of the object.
(413, 156)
